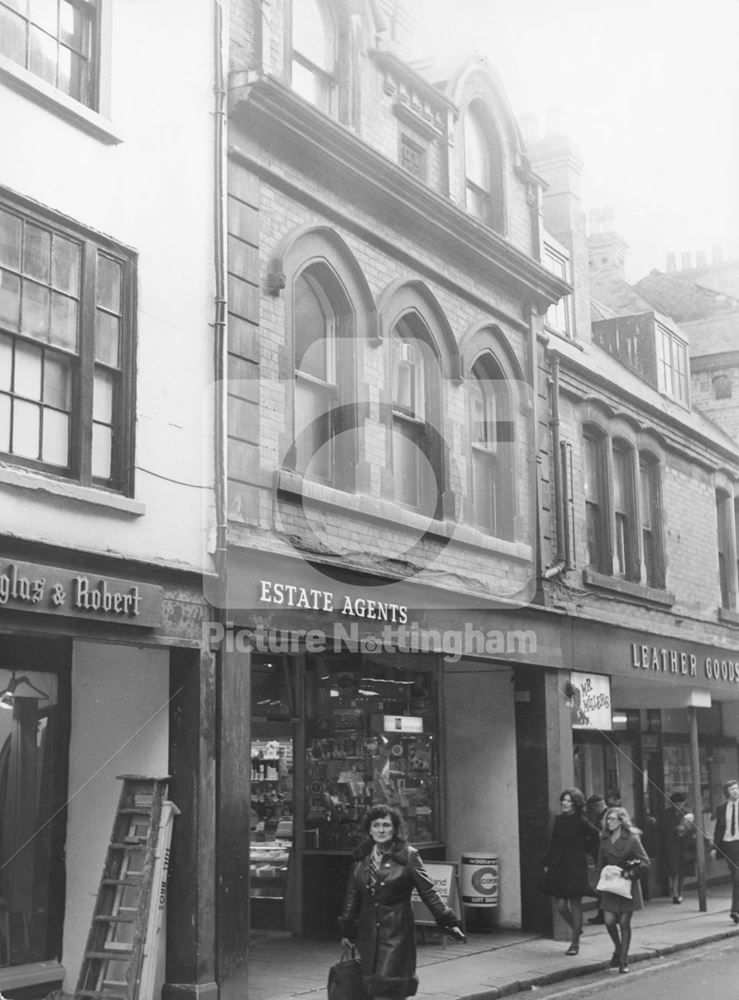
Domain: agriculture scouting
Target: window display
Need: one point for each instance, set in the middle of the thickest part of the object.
(371, 737)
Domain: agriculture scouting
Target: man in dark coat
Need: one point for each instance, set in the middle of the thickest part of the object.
(726, 840)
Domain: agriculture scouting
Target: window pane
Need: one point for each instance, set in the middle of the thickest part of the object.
(56, 382)
(26, 426)
(102, 399)
(312, 34)
(35, 311)
(313, 447)
(101, 451)
(63, 321)
(12, 36)
(108, 284)
(477, 153)
(312, 329)
(77, 76)
(405, 467)
(6, 361)
(44, 14)
(37, 253)
(10, 238)
(483, 489)
(10, 300)
(106, 338)
(65, 265)
(27, 380)
(42, 59)
(4, 422)
(55, 445)
(73, 28)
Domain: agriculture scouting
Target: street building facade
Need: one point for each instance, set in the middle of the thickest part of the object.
(638, 525)
(106, 471)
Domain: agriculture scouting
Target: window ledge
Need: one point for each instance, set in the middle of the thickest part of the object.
(627, 589)
(48, 97)
(728, 615)
(386, 510)
(25, 479)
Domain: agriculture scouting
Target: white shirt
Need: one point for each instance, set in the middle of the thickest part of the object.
(731, 805)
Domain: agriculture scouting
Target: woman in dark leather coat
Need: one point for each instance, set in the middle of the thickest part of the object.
(377, 913)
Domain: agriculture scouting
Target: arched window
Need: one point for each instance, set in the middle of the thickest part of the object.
(594, 483)
(314, 334)
(492, 441)
(482, 167)
(650, 512)
(313, 70)
(416, 458)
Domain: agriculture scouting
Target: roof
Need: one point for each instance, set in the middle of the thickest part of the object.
(714, 335)
(678, 294)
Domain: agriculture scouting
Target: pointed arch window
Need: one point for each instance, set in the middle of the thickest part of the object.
(482, 167)
(492, 439)
(314, 333)
(416, 459)
(313, 69)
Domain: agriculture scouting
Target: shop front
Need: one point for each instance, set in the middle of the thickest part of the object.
(86, 665)
(657, 688)
(357, 700)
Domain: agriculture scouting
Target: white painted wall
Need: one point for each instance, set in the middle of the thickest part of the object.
(153, 192)
(481, 789)
(119, 726)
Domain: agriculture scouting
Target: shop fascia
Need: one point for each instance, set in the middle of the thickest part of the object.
(679, 662)
(52, 590)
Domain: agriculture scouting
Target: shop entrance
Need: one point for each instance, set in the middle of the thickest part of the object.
(330, 735)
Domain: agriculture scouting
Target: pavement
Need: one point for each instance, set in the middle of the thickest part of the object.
(496, 963)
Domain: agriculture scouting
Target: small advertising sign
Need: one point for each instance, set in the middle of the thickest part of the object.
(402, 723)
(589, 697)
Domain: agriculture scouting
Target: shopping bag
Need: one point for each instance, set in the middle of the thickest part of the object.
(345, 978)
(611, 880)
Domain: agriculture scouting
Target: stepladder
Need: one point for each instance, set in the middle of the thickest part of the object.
(122, 945)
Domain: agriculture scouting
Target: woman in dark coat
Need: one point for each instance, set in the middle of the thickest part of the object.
(680, 836)
(566, 862)
(377, 913)
(620, 845)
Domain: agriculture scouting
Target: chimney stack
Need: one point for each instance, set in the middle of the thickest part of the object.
(671, 261)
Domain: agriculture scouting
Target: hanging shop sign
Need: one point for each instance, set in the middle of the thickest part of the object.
(589, 697)
(52, 591)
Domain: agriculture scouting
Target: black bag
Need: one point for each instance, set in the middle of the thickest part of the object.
(345, 978)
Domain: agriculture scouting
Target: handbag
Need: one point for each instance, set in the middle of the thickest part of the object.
(611, 880)
(345, 980)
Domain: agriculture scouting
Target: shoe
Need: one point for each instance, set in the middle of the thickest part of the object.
(623, 968)
(574, 949)
(615, 960)
(597, 919)
(677, 899)
(734, 917)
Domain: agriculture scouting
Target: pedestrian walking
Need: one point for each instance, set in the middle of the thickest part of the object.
(566, 862)
(726, 840)
(377, 916)
(621, 846)
(680, 835)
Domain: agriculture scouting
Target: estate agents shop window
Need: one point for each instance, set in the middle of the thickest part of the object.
(331, 735)
(34, 733)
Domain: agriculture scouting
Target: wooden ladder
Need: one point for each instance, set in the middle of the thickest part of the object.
(114, 957)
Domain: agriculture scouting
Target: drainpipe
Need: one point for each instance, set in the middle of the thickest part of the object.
(220, 301)
(560, 560)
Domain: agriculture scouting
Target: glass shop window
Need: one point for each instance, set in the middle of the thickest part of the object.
(33, 737)
(372, 737)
